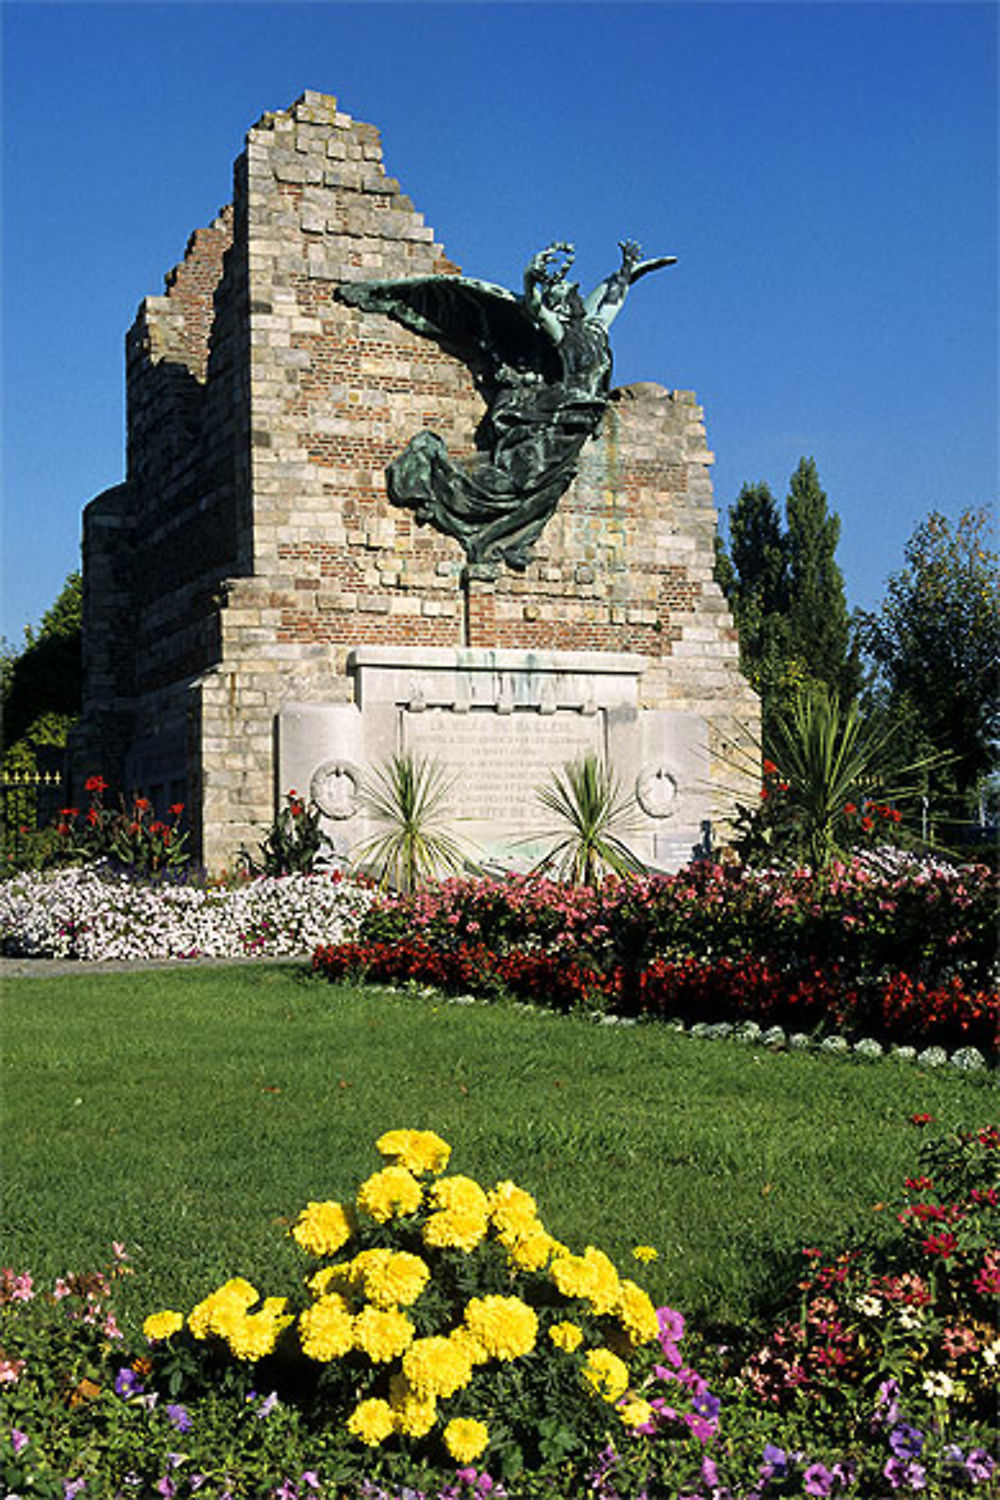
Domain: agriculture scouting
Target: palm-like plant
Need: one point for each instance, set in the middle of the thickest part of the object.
(409, 795)
(592, 812)
(829, 757)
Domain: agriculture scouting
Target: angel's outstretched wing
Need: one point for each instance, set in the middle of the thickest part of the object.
(464, 313)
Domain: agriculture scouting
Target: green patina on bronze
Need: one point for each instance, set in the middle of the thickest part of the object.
(542, 361)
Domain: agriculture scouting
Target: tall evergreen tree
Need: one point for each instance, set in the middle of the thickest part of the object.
(753, 580)
(819, 633)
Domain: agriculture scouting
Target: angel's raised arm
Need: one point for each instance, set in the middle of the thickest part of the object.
(605, 301)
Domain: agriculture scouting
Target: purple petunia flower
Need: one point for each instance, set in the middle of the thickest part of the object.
(906, 1441)
(979, 1465)
(817, 1480)
(179, 1416)
(127, 1382)
(73, 1487)
(776, 1457)
(18, 1440)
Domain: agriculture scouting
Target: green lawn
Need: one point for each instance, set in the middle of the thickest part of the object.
(192, 1114)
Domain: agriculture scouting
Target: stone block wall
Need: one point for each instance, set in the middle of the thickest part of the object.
(262, 545)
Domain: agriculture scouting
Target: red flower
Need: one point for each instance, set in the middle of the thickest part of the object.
(69, 812)
(175, 809)
(95, 784)
(921, 1119)
(142, 804)
(93, 816)
(769, 768)
(867, 824)
(945, 1245)
(850, 808)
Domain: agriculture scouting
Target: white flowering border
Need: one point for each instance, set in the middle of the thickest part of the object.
(91, 912)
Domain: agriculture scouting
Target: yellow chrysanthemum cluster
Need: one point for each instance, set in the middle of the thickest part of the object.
(437, 1366)
(504, 1327)
(162, 1325)
(326, 1330)
(461, 1215)
(401, 1372)
(322, 1228)
(514, 1216)
(420, 1151)
(393, 1192)
(226, 1313)
(465, 1438)
(389, 1278)
(606, 1373)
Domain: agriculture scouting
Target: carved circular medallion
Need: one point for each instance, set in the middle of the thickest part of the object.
(656, 791)
(334, 788)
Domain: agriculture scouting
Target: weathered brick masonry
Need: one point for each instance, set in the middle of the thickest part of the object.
(252, 544)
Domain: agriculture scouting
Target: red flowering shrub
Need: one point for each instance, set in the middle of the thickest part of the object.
(918, 1314)
(948, 1015)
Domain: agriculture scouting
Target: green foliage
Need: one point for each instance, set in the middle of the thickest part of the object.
(830, 761)
(131, 836)
(935, 644)
(591, 813)
(293, 843)
(42, 682)
(786, 593)
(409, 796)
(818, 625)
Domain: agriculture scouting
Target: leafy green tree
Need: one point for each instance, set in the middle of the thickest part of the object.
(935, 645)
(786, 593)
(42, 682)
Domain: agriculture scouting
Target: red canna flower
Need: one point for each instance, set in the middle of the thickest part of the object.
(95, 784)
(175, 809)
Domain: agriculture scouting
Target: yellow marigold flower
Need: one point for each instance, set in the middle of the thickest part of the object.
(465, 1438)
(222, 1307)
(451, 1229)
(530, 1250)
(590, 1275)
(331, 1279)
(464, 1339)
(382, 1333)
(436, 1366)
(636, 1412)
(414, 1415)
(645, 1253)
(255, 1334)
(511, 1206)
(566, 1336)
(162, 1324)
(372, 1421)
(463, 1194)
(322, 1228)
(326, 1330)
(392, 1191)
(637, 1314)
(606, 1374)
(389, 1278)
(506, 1327)
(418, 1150)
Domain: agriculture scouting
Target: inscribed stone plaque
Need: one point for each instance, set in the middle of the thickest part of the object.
(497, 760)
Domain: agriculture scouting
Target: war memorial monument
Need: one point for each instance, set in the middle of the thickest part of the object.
(374, 506)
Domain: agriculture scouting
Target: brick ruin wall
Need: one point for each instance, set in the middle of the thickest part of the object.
(253, 545)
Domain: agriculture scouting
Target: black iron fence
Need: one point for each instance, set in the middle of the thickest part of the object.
(29, 801)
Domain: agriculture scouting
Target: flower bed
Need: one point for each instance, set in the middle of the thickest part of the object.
(902, 957)
(445, 1345)
(93, 912)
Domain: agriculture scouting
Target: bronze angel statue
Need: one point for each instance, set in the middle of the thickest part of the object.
(543, 363)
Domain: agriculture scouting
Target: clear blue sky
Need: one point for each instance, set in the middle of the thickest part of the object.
(825, 173)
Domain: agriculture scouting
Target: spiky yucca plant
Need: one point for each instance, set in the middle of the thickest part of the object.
(829, 757)
(409, 795)
(592, 813)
